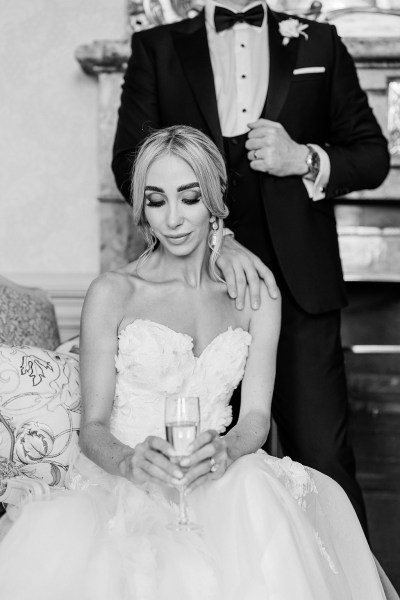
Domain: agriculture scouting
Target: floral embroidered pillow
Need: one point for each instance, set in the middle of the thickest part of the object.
(39, 412)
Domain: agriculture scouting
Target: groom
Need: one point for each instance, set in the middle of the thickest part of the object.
(281, 99)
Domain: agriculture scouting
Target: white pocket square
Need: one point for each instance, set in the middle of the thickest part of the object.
(305, 70)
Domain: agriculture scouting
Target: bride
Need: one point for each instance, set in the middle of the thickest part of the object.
(271, 529)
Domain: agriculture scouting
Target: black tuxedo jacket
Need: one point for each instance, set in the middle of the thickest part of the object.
(169, 81)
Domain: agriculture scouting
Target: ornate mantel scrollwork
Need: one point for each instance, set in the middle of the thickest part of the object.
(143, 14)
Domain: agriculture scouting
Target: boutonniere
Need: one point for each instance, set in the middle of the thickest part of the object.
(291, 28)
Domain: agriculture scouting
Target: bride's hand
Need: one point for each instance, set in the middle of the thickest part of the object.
(150, 462)
(209, 459)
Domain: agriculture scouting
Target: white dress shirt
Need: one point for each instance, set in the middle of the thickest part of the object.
(240, 63)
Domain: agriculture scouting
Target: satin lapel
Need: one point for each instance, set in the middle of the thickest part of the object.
(192, 50)
(282, 62)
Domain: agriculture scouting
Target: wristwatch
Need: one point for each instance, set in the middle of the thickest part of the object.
(313, 162)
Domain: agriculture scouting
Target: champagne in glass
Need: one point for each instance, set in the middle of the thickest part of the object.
(182, 417)
(181, 435)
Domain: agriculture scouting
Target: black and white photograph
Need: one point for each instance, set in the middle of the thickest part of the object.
(200, 300)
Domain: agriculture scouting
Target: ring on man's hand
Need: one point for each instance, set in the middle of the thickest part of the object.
(255, 155)
(214, 465)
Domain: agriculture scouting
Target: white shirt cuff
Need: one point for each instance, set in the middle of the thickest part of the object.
(316, 189)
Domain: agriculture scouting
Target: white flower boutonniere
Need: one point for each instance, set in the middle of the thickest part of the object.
(291, 28)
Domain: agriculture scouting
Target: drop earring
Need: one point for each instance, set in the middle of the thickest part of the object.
(214, 229)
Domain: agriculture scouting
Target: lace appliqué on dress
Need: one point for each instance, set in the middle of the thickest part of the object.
(295, 477)
(325, 553)
(298, 481)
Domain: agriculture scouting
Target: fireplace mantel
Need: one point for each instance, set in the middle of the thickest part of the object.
(111, 56)
(104, 56)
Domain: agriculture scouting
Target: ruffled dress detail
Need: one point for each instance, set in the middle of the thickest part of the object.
(271, 529)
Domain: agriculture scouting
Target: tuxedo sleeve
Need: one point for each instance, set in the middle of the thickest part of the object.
(137, 115)
(356, 147)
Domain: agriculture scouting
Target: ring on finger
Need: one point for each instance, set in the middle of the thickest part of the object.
(255, 155)
(213, 465)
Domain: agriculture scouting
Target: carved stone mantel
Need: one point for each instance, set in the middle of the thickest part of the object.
(370, 252)
(110, 56)
(104, 56)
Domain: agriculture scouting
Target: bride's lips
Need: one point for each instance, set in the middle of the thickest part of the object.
(178, 239)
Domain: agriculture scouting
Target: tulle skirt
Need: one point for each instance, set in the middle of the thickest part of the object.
(270, 529)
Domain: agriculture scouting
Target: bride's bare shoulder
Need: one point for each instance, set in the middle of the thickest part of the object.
(115, 285)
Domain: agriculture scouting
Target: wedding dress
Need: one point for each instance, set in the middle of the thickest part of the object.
(271, 529)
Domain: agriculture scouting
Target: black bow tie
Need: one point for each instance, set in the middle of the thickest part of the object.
(225, 19)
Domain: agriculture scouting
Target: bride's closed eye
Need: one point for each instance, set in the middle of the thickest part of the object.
(191, 197)
(155, 199)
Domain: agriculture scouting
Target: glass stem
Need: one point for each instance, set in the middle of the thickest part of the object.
(183, 516)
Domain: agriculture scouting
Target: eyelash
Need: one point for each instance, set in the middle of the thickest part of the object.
(191, 200)
(158, 204)
(151, 203)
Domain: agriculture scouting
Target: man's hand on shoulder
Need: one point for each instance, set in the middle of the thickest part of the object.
(241, 268)
(272, 150)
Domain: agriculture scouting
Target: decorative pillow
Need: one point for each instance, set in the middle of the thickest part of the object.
(27, 316)
(39, 412)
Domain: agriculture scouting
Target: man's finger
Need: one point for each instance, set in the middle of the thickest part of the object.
(256, 144)
(257, 155)
(263, 123)
(268, 135)
(253, 281)
(241, 284)
(258, 165)
(255, 134)
(228, 275)
(268, 277)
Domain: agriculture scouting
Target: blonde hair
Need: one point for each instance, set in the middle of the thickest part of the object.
(203, 157)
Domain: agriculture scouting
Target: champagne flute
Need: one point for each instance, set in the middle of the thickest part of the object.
(182, 417)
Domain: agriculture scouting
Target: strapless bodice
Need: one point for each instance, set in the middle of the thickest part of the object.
(154, 360)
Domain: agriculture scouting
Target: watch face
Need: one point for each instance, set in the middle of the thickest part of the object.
(313, 162)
